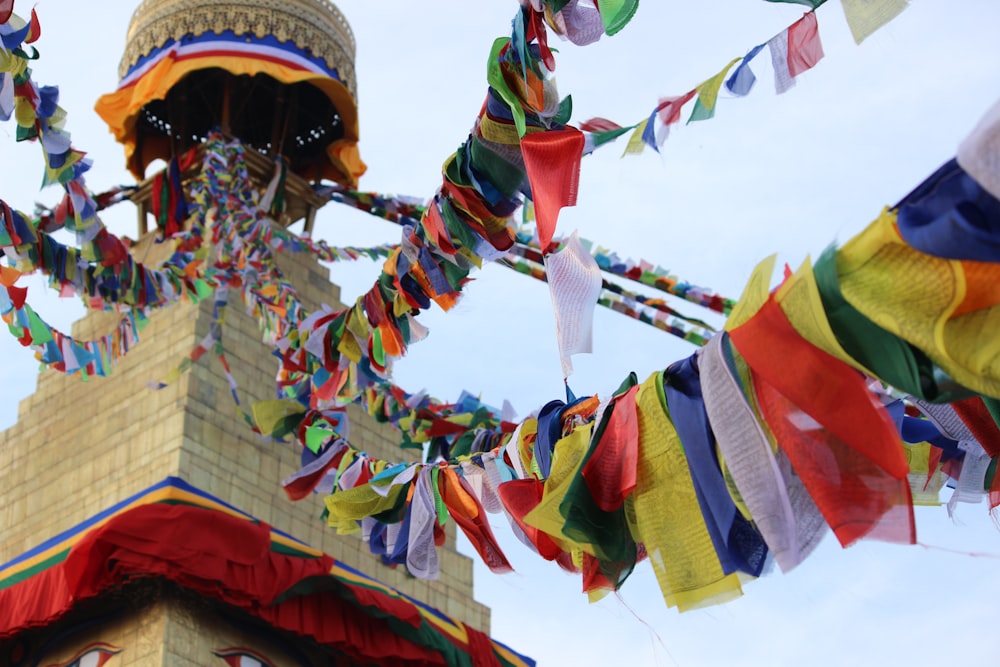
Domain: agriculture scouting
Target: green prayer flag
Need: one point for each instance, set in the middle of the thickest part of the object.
(616, 14)
(316, 435)
(202, 289)
(601, 138)
(40, 332)
(708, 94)
(494, 76)
(442, 509)
(701, 112)
(274, 415)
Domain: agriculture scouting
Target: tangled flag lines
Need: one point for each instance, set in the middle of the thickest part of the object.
(750, 452)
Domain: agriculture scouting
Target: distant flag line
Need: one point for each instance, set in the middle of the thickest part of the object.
(793, 51)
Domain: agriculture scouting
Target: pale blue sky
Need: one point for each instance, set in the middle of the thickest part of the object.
(786, 174)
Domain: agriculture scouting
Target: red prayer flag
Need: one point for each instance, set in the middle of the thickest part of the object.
(552, 160)
(301, 483)
(438, 233)
(599, 124)
(977, 418)
(669, 108)
(34, 29)
(468, 513)
(610, 472)
(17, 296)
(804, 47)
(840, 440)
(520, 496)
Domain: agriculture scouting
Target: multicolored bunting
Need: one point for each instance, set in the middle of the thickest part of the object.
(780, 428)
(793, 51)
(407, 211)
(847, 454)
(631, 304)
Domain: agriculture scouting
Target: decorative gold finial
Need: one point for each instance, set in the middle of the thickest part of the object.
(314, 26)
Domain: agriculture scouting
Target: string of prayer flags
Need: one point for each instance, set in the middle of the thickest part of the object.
(795, 50)
(654, 312)
(668, 111)
(658, 319)
(769, 453)
(599, 131)
(759, 443)
(708, 93)
(405, 211)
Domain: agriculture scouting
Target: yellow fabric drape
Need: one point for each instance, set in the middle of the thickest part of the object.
(667, 514)
(567, 458)
(799, 299)
(950, 309)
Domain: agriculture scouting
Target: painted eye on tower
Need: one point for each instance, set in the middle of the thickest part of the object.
(238, 656)
(93, 655)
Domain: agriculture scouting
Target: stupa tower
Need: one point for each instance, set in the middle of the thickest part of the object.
(127, 510)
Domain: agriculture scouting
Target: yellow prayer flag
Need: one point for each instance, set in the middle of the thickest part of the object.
(754, 294)
(800, 301)
(708, 91)
(667, 513)
(866, 16)
(567, 459)
(947, 308)
(635, 143)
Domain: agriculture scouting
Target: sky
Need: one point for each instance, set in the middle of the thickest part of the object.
(787, 174)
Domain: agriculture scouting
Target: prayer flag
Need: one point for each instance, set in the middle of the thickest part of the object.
(708, 93)
(743, 78)
(866, 16)
(575, 284)
(794, 51)
(552, 161)
(615, 14)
